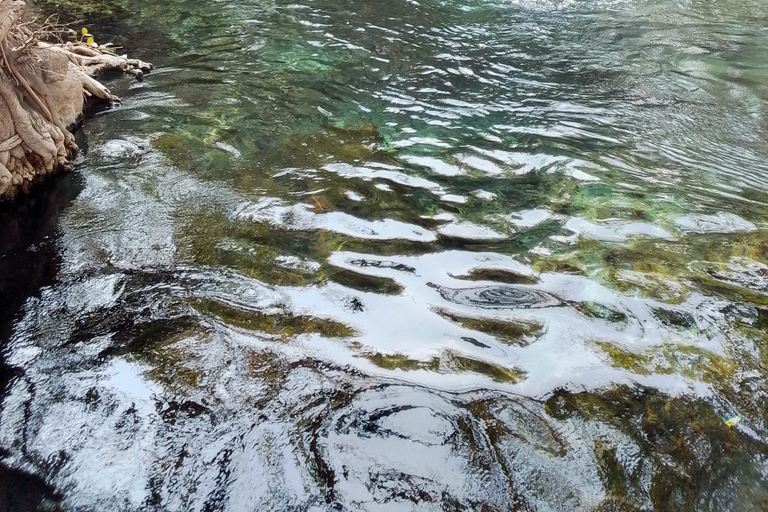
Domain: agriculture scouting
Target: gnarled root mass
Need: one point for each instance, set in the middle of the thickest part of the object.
(43, 88)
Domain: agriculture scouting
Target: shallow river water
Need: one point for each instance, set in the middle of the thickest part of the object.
(403, 255)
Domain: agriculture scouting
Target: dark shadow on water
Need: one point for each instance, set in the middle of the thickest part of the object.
(29, 261)
(23, 492)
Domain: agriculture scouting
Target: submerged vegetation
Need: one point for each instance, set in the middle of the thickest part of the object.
(448, 362)
(514, 333)
(690, 362)
(284, 326)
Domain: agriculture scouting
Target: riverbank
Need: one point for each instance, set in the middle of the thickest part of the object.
(43, 88)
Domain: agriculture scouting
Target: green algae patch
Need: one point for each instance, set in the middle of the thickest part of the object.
(668, 271)
(400, 362)
(682, 442)
(730, 291)
(172, 365)
(600, 311)
(266, 367)
(351, 143)
(672, 359)
(636, 363)
(512, 418)
(559, 265)
(758, 336)
(172, 143)
(675, 318)
(696, 363)
(166, 347)
(282, 325)
(447, 363)
(498, 275)
(649, 284)
(362, 282)
(252, 248)
(496, 372)
(516, 333)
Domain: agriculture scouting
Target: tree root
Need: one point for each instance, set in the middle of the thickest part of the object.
(43, 88)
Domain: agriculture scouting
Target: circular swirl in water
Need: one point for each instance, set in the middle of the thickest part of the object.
(499, 297)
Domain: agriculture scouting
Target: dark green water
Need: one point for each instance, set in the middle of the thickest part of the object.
(409, 255)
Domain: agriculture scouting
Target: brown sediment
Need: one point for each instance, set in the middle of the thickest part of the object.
(43, 88)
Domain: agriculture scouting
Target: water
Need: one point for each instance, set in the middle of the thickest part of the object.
(422, 255)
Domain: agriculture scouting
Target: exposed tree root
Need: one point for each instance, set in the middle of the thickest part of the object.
(43, 87)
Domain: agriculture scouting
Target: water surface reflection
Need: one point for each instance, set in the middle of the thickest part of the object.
(463, 255)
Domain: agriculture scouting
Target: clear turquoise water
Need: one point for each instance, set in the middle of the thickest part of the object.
(458, 255)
